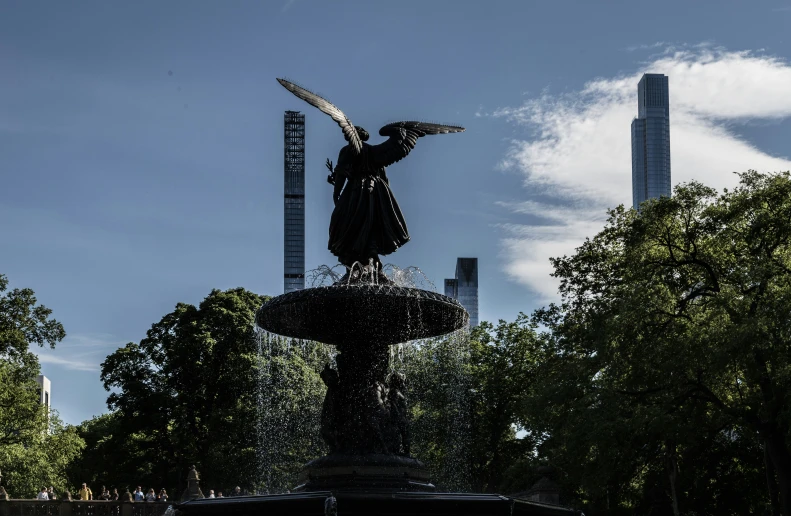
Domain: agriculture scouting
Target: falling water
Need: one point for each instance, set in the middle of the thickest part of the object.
(437, 372)
(433, 367)
(289, 401)
(409, 277)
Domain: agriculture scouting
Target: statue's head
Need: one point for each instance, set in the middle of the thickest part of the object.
(362, 133)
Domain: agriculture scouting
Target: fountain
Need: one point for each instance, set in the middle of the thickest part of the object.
(364, 417)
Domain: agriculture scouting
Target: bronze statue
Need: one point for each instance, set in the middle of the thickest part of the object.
(367, 221)
(399, 411)
(329, 411)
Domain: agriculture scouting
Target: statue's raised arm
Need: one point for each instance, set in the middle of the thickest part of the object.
(402, 139)
(367, 221)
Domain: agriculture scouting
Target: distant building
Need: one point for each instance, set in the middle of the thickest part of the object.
(450, 288)
(294, 202)
(44, 391)
(464, 287)
(651, 140)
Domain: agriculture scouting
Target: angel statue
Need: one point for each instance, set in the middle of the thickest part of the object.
(367, 221)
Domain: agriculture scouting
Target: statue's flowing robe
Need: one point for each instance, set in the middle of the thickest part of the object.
(367, 220)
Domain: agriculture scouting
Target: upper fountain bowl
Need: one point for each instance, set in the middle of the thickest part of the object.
(362, 314)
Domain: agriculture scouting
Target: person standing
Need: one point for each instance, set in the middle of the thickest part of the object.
(85, 493)
(138, 495)
(42, 495)
(51, 493)
(114, 497)
(151, 497)
(162, 496)
(211, 493)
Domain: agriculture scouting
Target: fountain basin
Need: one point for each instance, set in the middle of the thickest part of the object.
(378, 502)
(362, 314)
(351, 472)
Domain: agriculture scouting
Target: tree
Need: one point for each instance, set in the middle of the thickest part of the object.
(671, 347)
(35, 447)
(466, 400)
(22, 323)
(113, 456)
(40, 460)
(194, 392)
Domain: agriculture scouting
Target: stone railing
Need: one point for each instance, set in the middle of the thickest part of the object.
(81, 508)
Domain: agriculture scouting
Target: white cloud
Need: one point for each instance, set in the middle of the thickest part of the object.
(80, 352)
(75, 364)
(579, 153)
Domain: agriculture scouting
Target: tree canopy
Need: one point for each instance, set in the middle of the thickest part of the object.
(192, 392)
(35, 447)
(669, 356)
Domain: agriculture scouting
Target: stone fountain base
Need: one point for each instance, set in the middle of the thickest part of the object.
(365, 472)
(371, 502)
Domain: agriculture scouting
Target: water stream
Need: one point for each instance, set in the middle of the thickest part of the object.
(290, 395)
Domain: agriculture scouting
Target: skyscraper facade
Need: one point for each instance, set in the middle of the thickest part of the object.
(450, 288)
(464, 287)
(294, 202)
(651, 140)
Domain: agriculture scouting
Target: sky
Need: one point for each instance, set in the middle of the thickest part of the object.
(141, 143)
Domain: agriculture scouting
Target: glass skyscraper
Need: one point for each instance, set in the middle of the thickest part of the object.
(294, 202)
(651, 140)
(464, 287)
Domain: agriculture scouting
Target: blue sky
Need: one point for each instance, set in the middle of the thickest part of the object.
(141, 142)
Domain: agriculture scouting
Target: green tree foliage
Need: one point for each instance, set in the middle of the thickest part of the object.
(23, 323)
(188, 394)
(35, 447)
(466, 397)
(113, 456)
(41, 460)
(667, 372)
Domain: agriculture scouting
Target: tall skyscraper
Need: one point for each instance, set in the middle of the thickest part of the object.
(464, 287)
(651, 140)
(294, 202)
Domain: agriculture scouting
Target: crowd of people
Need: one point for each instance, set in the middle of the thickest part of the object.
(139, 495)
(85, 493)
(237, 491)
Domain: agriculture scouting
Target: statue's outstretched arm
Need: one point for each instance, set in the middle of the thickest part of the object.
(402, 139)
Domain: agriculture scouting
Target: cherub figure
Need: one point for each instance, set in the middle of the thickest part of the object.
(329, 410)
(398, 409)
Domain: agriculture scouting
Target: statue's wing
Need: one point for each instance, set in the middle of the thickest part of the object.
(403, 138)
(327, 107)
(424, 127)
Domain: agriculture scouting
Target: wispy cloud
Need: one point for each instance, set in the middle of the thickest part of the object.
(75, 364)
(577, 160)
(287, 5)
(80, 352)
(658, 44)
(785, 8)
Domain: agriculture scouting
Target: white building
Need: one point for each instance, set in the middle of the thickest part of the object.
(44, 390)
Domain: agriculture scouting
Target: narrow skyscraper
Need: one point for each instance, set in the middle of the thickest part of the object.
(464, 287)
(294, 202)
(651, 140)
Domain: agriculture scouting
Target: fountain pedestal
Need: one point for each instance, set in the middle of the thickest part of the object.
(364, 422)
